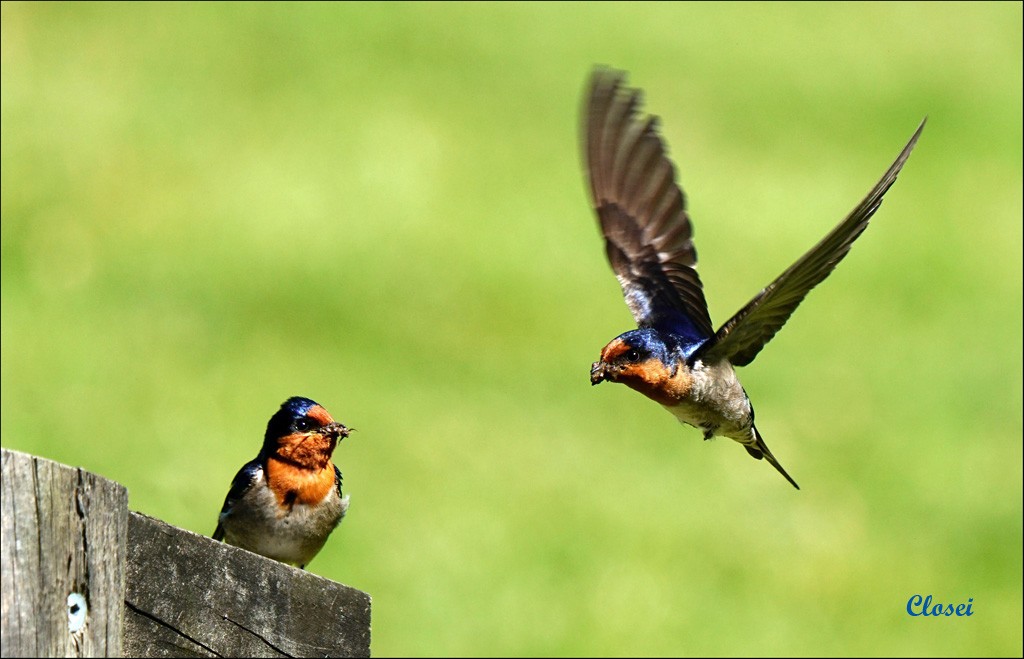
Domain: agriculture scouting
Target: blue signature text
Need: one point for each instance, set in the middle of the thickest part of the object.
(922, 606)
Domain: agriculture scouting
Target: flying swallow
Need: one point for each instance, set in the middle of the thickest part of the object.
(675, 357)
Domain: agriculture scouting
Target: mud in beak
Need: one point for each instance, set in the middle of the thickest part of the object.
(597, 373)
(337, 431)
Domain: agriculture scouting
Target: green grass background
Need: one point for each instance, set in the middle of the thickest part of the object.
(209, 208)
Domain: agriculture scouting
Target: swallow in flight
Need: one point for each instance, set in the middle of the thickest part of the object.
(675, 357)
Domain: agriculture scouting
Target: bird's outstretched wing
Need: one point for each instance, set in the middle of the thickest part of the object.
(742, 336)
(251, 472)
(642, 211)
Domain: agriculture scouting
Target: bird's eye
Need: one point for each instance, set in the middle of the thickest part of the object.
(633, 356)
(304, 424)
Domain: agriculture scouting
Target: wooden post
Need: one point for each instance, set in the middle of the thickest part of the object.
(151, 589)
(63, 569)
(190, 596)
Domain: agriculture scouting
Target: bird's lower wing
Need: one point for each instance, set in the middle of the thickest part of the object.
(742, 336)
(251, 472)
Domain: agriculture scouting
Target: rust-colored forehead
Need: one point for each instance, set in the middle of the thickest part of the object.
(320, 415)
(615, 349)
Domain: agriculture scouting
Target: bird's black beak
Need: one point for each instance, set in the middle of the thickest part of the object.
(597, 373)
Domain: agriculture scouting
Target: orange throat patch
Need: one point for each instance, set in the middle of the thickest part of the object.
(655, 380)
(306, 450)
(292, 484)
(300, 469)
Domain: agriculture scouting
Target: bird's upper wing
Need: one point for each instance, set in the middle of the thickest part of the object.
(249, 474)
(337, 479)
(642, 211)
(742, 336)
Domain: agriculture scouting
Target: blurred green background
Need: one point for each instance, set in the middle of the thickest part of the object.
(209, 208)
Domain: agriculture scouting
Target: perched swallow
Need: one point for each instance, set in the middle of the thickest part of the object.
(675, 357)
(285, 503)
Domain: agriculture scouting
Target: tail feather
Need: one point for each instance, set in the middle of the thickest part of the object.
(760, 450)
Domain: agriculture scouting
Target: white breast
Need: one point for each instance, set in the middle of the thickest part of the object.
(292, 535)
(716, 401)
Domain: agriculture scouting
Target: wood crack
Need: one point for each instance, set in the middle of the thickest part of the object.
(167, 625)
(268, 643)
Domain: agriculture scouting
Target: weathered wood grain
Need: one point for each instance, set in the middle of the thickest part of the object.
(188, 595)
(150, 589)
(64, 532)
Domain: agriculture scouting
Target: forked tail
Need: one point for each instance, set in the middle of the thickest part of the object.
(760, 450)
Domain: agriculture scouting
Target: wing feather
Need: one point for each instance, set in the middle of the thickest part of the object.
(249, 474)
(742, 336)
(642, 211)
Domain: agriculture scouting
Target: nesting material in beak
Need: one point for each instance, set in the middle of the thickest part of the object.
(337, 431)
